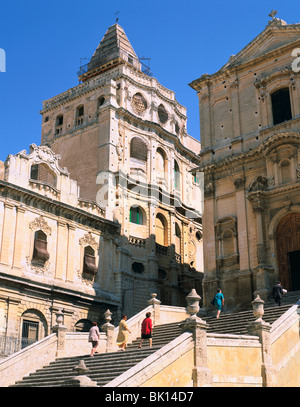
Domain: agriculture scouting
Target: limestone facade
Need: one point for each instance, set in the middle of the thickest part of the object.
(57, 251)
(250, 156)
(122, 135)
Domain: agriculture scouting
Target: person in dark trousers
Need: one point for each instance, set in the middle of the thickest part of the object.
(94, 336)
(277, 293)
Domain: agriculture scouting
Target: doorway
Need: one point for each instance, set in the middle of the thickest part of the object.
(288, 251)
(294, 263)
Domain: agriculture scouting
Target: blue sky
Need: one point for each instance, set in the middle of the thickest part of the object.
(44, 41)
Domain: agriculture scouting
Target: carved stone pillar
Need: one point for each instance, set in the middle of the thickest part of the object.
(109, 329)
(201, 374)
(156, 308)
(60, 331)
(258, 207)
(262, 329)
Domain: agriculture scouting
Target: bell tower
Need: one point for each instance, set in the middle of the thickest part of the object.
(122, 136)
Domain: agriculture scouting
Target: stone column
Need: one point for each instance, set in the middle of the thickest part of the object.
(244, 275)
(60, 331)
(61, 252)
(13, 320)
(262, 329)
(19, 237)
(173, 270)
(260, 271)
(210, 280)
(71, 252)
(8, 233)
(201, 374)
(236, 125)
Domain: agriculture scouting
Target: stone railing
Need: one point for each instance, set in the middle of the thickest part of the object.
(28, 360)
(160, 314)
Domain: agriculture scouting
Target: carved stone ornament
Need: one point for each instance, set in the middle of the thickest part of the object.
(89, 240)
(260, 183)
(209, 189)
(40, 224)
(239, 183)
(44, 154)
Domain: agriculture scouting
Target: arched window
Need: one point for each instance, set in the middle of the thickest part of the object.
(89, 262)
(138, 149)
(136, 215)
(40, 251)
(176, 175)
(100, 101)
(59, 121)
(281, 105)
(161, 230)
(34, 327)
(41, 172)
(161, 164)
(79, 111)
(79, 115)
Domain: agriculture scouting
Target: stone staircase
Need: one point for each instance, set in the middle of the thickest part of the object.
(105, 367)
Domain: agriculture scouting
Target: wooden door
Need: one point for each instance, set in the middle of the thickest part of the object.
(287, 241)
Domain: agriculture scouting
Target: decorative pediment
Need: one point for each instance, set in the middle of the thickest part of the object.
(276, 35)
(40, 224)
(44, 155)
(89, 240)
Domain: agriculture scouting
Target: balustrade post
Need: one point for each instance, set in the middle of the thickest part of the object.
(262, 329)
(201, 374)
(60, 331)
(109, 329)
(156, 308)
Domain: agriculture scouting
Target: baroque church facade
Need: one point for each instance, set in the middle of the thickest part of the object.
(102, 213)
(250, 156)
(108, 209)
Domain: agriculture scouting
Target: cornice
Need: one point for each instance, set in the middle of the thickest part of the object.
(228, 70)
(66, 209)
(257, 153)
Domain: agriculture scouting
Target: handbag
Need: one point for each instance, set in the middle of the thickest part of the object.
(213, 301)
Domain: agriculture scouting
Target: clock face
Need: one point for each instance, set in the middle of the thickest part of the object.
(139, 103)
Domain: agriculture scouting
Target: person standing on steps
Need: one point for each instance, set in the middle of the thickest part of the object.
(123, 333)
(94, 336)
(219, 301)
(277, 293)
(146, 330)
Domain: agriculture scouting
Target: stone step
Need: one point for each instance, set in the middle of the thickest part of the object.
(105, 367)
(99, 370)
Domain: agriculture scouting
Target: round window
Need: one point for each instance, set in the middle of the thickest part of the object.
(139, 102)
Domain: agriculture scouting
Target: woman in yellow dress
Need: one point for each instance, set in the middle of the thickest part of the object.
(123, 333)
